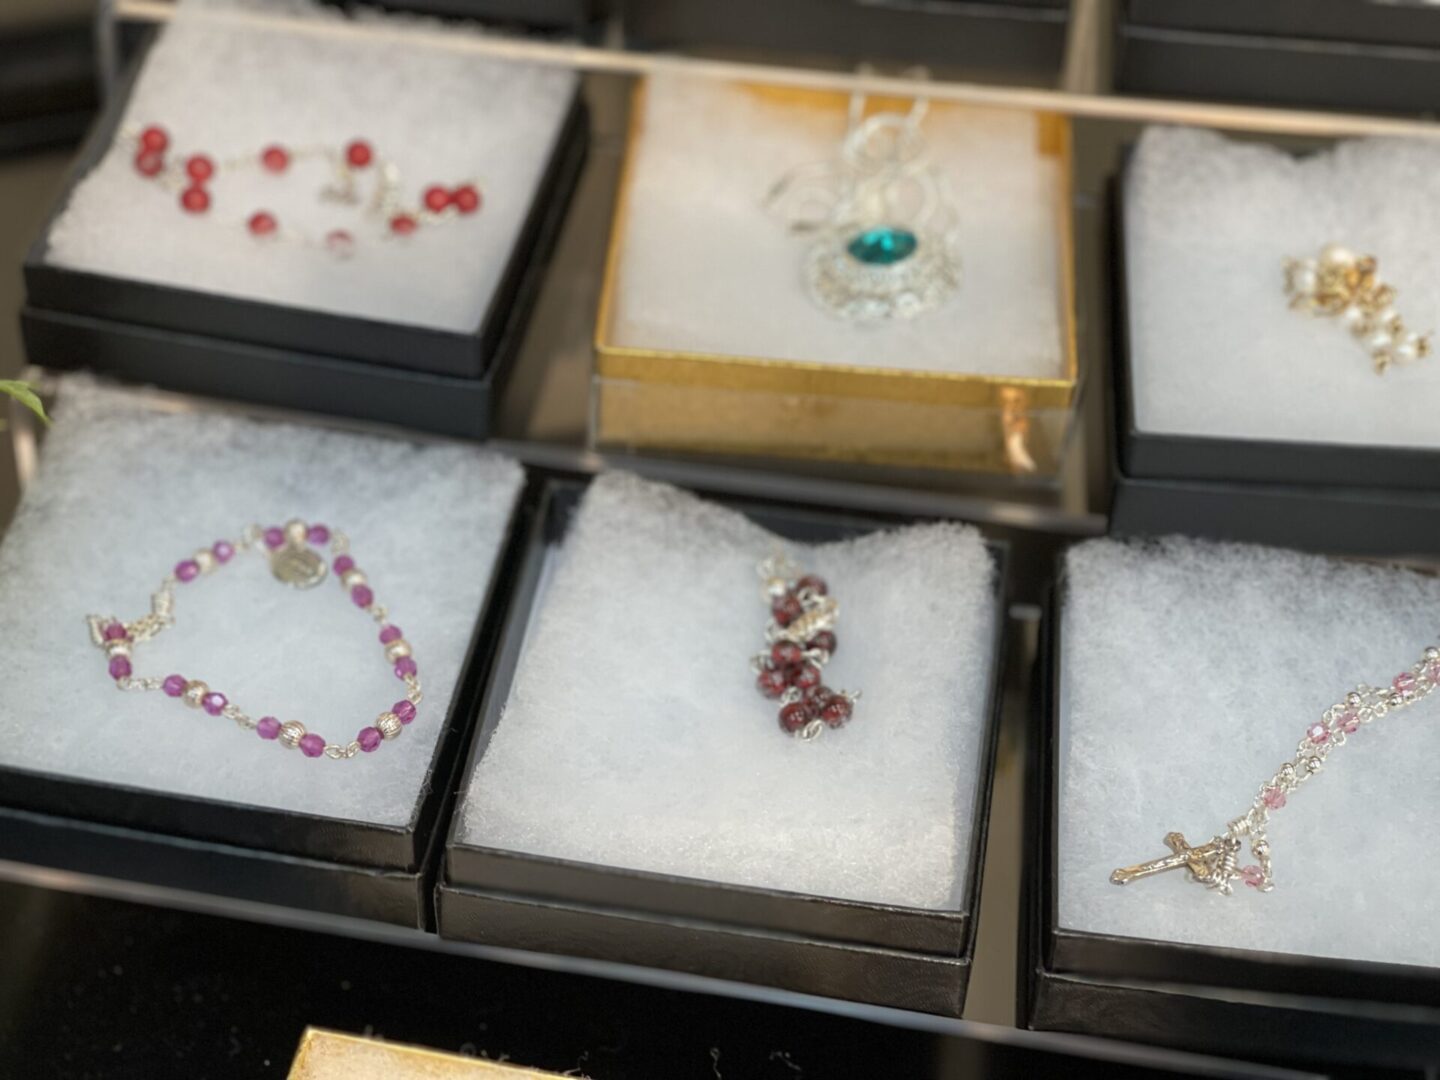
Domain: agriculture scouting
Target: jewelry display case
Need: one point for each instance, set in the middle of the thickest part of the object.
(871, 898)
(1336, 966)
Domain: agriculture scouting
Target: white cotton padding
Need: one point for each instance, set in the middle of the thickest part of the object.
(707, 268)
(442, 116)
(125, 490)
(1215, 350)
(1188, 673)
(634, 736)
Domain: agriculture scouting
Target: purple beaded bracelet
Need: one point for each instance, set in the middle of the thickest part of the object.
(293, 561)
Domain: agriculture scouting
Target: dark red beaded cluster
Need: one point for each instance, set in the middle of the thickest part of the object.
(802, 641)
(193, 175)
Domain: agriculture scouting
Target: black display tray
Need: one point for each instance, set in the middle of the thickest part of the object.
(295, 337)
(1396, 22)
(252, 852)
(47, 84)
(1306, 1010)
(575, 16)
(606, 911)
(1145, 455)
(1026, 36)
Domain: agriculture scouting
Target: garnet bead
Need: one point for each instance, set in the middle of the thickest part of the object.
(119, 667)
(390, 633)
(195, 200)
(369, 739)
(274, 537)
(214, 703)
(786, 654)
(771, 682)
(836, 711)
(815, 584)
(405, 666)
(344, 564)
(795, 716)
(275, 158)
(436, 198)
(199, 168)
(187, 570)
(362, 596)
(174, 685)
(786, 609)
(318, 534)
(268, 727)
(312, 745)
(805, 677)
(223, 551)
(115, 632)
(405, 710)
(262, 223)
(823, 640)
(359, 154)
(149, 163)
(466, 198)
(154, 139)
(402, 224)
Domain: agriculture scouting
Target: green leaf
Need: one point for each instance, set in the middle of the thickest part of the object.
(25, 394)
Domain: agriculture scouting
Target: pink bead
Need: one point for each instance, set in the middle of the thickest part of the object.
(115, 632)
(187, 570)
(1404, 683)
(1252, 876)
(174, 685)
(1318, 733)
(369, 739)
(318, 534)
(1274, 798)
(405, 710)
(344, 564)
(312, 745)
(268, 728)
(274, 537)
(362, 596)
(119, 667)
(389, 634)
(223, 551)
(214, 703)
(1349, 722)
(405, 666)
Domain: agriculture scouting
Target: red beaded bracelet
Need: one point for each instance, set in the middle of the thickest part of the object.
(191, 174)
(294, 561)
(801, 636)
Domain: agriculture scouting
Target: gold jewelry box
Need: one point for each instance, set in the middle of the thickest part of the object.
(330, 1055)
(666, 391)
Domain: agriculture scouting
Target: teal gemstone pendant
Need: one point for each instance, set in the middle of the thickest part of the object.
(883, 245)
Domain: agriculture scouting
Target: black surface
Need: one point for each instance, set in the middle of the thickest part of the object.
(578, 16)
(93, 988)
(47, 84)
(1397, 22)
(1311, 1010)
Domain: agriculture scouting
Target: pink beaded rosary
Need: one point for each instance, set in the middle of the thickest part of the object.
(294, 561)
(1216, 863)
(801, 636)
(191, 175)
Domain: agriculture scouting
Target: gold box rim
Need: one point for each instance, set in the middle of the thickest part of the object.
(816, 377)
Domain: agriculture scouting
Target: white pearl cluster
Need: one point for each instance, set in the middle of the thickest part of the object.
(1345, 285)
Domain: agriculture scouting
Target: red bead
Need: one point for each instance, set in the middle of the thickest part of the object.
(786, 610)
(466, 198)
(149, 162)
(817, 696)
(262, 223)
(795, 716)
(823, 640)
(815, 584)
(155, 139)
(195, 199)
(804, 677)
(402, 224)
(786, 654)
(771, 682)
(436, 198)
(200, 168)
(275, 158)
(340, 243)
(359, 154)
(836, 711)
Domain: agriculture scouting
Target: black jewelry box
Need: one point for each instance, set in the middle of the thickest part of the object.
(1024, 35)
(439, 381)
(883, 954)
(1350, 54)
(47, 84)
(1330, 497)
(1295, 1010)
(253, 853)
(558, 16)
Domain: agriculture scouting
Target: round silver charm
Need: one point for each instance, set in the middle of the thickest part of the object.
(299, 567)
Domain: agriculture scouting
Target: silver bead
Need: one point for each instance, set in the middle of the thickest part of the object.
(396, 649)
(205, 559)
(296, 531)
(195, 692)
(351, 578)
(1433, 652)
(120, 647)
(389, 725)
(291, 732)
